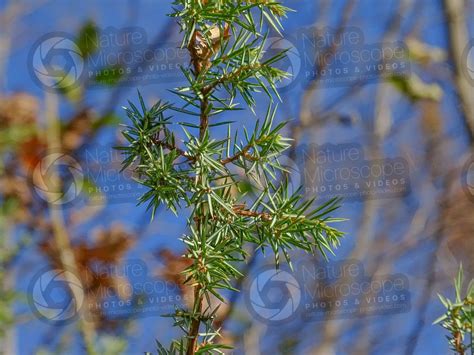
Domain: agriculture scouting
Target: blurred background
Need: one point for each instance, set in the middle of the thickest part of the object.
(381, 107)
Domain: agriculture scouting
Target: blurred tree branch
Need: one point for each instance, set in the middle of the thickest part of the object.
(458, 39)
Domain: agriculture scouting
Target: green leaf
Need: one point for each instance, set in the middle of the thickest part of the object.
(415, 89)
(88, 39)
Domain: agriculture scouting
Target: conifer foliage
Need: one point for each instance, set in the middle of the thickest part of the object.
(226, 42)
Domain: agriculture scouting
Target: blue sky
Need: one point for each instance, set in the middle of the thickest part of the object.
(370, 18)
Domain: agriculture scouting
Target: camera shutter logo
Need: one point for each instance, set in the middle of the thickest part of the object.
(469, 62)
(289, 172)
(291, 64)
(274, 296)
(57, 178)
(468, 178)
(56, 62)
(56, 296)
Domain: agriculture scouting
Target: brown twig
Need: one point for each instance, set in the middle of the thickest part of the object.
(241, 211)
(458, 37)
(174, 148)
(243, 152)
(194, 329)
(198, 64)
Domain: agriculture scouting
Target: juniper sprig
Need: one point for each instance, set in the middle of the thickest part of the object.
(199, 172)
